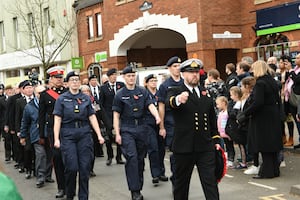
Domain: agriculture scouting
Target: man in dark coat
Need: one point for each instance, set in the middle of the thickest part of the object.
(46, 123)
(107, 94)
(195, 133)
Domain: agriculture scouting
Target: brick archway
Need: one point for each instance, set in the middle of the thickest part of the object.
(149, 21)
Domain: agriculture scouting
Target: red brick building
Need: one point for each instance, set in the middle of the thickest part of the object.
(116, 32)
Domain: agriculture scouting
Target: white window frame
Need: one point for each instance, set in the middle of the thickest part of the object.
(16, 32)
(2, 35)
(91, 34)
(99, 25)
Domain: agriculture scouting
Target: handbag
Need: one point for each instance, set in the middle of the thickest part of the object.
(294, 99)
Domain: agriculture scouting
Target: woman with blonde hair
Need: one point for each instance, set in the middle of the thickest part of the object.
(265, 122)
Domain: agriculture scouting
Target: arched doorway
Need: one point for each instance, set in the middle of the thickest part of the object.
(95, 69)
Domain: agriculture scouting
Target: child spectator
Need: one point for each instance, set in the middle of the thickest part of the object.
(222, 103)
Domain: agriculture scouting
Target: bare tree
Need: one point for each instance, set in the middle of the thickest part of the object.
(46, 33)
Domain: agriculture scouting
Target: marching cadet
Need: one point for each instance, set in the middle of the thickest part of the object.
(154, 139)
(73, 117)
(46, 119)
(128, 108)
(166, 127)
(195, 133)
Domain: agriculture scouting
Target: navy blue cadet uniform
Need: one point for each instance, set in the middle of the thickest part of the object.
(76, 140)
(157, 170)
(168, 118)
(130, 105)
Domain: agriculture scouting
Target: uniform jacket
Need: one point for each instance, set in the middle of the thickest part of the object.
(107, 96)
(195, 122)
(20, 105)
(3, 102)
(265, 127)
(11, 109)
(29, 123)
(46, 107)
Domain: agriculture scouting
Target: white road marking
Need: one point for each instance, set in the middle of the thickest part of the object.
(261, 185)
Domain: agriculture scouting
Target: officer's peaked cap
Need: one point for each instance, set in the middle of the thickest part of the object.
(191, 65)
(173, 60)
(57, 71)
(70, 74)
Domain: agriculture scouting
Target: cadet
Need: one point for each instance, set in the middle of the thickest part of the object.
(154, 139)
(166, 127)
(195, 133)
(46, 106)
(128, 108)
(73, 117)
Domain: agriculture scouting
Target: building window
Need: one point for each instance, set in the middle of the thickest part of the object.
(90, 27)
(31, 30)
(118, 2)
(47, 22)
(99, 24)
(2, 37)
(261, 1)
(16, 33)
(12, 73)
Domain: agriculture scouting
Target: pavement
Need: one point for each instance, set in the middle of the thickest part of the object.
(110, 183)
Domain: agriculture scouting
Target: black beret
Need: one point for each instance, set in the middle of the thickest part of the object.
(111, 71)
(1, 86)
(150, 76)
(25, 83)
(191, 65)
(173, 60)
(128, 69)
(92, 76)
(70, 74)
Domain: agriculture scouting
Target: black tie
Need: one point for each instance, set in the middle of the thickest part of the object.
(95, 94)
(113, 88)
(195, 93)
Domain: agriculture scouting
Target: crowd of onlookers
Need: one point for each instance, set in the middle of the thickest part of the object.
(256, 108)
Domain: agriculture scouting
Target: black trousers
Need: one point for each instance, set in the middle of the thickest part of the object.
(205, 162)
(58, 164)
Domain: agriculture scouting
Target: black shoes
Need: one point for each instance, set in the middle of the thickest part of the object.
(155, 180)
(39, 184)
(120, 162)
(163, 178)
(297, 146)
(136, 195)
(108, 162)
(92, 174)
(49, 180)
(60, 194)
(28, 175)
(21, 170)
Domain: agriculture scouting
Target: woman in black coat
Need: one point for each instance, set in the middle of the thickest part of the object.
(265, 122)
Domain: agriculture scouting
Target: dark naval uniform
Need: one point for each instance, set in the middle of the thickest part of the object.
(76, 140)
(46, 123)
(195, 134)
(107, 94)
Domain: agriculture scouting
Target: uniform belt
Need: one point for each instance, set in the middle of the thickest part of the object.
(135, 122)
(76, 124)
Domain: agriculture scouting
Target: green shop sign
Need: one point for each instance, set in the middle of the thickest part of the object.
(77, 63)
